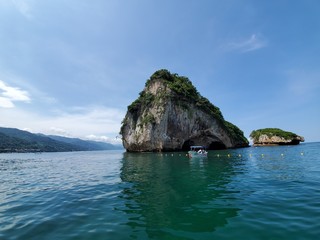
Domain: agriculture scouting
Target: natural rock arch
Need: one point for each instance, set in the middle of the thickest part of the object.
(171, 115)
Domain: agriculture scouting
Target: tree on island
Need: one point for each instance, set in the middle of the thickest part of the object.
(274, 136)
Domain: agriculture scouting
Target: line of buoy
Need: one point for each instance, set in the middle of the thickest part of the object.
(230, 155)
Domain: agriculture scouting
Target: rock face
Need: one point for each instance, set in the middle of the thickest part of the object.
(171, 115)
(274, 136)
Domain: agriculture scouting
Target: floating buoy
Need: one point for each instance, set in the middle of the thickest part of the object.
(229, 155)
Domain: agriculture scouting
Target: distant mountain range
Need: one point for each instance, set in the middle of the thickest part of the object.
(15, 140)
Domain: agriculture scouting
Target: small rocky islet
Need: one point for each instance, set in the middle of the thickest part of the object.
(171, 115)
(274, 136)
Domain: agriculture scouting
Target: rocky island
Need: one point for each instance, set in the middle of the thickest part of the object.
(274, 136)
(171, 115)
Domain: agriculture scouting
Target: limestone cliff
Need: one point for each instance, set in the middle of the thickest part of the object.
(171, 115)
(274, 136)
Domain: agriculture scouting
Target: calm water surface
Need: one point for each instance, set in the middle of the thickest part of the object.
(251, 193)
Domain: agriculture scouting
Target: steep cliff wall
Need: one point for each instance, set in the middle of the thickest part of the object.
(171, 115)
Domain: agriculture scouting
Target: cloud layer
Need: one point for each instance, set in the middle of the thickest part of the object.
(254, 42)
(9, 95)
(90, 122)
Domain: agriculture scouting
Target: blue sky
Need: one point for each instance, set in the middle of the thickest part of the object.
(72, 67)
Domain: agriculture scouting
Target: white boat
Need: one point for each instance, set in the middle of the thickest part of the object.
(197, 151)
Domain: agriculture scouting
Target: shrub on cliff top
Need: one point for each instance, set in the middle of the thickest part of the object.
(184, 87)
(271, 132)
(235, 132)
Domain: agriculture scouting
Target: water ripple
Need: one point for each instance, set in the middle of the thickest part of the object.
(253, 193)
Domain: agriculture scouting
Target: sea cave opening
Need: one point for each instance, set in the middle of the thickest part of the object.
(216, 146)
(186, 145)
(212, 146)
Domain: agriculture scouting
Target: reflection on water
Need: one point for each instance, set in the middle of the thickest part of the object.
(174, 193)
(251, 193)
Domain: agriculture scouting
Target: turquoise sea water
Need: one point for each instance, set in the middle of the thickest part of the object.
(250, 193)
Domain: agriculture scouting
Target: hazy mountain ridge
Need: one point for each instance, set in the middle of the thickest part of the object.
(89, 145)
(16, 140)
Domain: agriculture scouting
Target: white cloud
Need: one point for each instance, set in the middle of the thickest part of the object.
(101, 138)
(254, 42)
(23, 7)
(6, 103)
(9, 94)
(59, 131)
(86, 121)
(27, 129)
(92, 122)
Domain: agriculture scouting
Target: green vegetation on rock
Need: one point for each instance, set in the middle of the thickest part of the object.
(144, 99)
(235, 132)
(184, 88)
(149, 118)
(272, 132)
